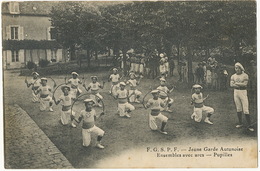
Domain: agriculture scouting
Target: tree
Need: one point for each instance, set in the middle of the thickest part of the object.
(65, 17)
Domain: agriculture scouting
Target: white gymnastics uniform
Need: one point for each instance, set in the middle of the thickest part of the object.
(35, 85)
(240, 94)
(74, 84)
(94, 88)
(66, 102)
(45, 98)
(155, 114)
(163, 95)
(142, 65)
(199, 107)
(115, 80)
(89, 126)
(133, 92)
(162, 66)
(123, 104)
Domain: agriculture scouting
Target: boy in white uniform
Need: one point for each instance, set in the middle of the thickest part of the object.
(124, 108)
(74, 85)
(88, 126)
(114, 77)
(163, 94)
(45, 98)
(66, 102)
(156, 104)
(239, 82)
(135, 94)
(94, 88)
(35, 82)
(198, 101)
(162, 66)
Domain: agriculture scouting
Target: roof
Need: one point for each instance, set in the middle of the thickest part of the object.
(31, 8)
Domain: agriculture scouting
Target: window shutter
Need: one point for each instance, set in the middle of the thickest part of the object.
(20, 33)
(21, 56)
(7, 32)
(8, 56)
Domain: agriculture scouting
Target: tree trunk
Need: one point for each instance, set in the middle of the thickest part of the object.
(237, 50)
(190, 73)
(124, 62)
(72, 52)
(88, 57)
(109, 53)
(178, 52)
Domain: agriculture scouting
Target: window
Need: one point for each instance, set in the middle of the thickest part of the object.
(14, 33)
(15, 56)
(14, 8)
(52, 33)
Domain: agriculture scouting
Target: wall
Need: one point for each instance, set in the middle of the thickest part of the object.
(34, 27)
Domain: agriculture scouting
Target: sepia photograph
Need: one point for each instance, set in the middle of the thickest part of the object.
(129, 84)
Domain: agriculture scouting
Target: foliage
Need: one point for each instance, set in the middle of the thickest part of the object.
(43, 63)
(179, 28)
(30, 65)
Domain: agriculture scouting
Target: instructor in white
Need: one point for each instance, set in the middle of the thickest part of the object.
(239, 82)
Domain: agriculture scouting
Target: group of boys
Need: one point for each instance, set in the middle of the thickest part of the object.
(159, 102)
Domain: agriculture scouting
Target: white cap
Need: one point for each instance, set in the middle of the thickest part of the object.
(131, 73)
(115, 69)
(88, 100)
(122, 83)
(93, 77)
(197, 86)
(43, 78)
(162, 79)
(155, 91)
(161, 55)
(74, 73)
(65, 86)
(35, 73)
(240, 65)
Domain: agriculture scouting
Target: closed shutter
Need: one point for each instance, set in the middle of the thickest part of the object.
(20, 33)
(7, 32)
(8, 57)
(21, 56)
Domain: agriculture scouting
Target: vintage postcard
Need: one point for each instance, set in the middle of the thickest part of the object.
(129, 84)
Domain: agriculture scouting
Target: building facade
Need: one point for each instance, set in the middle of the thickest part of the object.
(25, 23)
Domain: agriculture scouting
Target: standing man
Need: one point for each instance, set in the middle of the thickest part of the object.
(239, 82)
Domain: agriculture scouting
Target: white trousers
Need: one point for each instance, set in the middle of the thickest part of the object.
(241, 101)
(86, 134)
(133, 95)
(66, 117)
(197, 113)
(95, 97)
(114, 89)
(45, 103)
(35, 98)
(123, 107)
(153, 120)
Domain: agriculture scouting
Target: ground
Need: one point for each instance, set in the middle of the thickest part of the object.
(124, 134)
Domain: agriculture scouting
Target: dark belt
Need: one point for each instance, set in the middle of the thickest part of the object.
(241, 88)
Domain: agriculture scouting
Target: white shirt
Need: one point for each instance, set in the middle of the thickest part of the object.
(114, 77)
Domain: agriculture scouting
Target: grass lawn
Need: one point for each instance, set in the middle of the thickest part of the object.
(122, 134)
